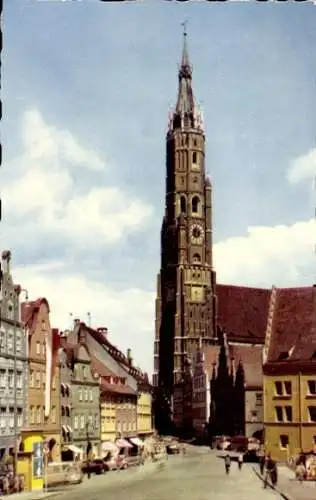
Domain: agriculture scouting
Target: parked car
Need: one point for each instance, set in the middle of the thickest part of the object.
(173, 449)
(63, 473)
(95, 466)
(115, 462)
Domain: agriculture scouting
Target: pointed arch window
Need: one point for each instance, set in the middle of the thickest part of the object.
(194, 157)
(195, 205)
(183, 204)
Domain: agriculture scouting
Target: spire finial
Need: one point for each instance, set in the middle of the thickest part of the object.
(184, 25)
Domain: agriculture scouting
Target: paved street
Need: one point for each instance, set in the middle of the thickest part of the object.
(199, 475)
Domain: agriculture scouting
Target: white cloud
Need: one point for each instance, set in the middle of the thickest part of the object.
(128, 314)
(43, 142)
(47, 189)
(303, 167)
(280, 255)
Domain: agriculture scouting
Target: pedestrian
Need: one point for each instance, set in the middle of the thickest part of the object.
(262, 461)
(240, 460)
(227, 464)
(274, 474)
(269, 466)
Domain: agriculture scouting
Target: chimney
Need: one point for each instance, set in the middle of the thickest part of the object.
(129, 356)
(6, 260)
(76, 322)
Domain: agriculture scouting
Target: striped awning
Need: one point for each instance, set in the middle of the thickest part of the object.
(122, 443)
(69, 428)
(65, 428)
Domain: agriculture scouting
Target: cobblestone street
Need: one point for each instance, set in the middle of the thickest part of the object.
(199, 475)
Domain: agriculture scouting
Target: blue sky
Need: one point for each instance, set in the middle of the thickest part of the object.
(87, 87)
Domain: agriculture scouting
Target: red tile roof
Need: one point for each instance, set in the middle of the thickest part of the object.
(293, 325)
(29, 311)
(242, 312)
(251, 359)
(105, 373)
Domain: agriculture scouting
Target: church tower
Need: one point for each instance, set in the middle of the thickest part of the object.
(185, 304)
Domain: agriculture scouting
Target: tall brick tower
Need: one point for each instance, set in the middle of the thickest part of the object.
(186, 303)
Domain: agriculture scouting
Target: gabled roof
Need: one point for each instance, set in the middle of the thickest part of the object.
(242, 312)
(29, 311)
(293, 333)
(251, 360)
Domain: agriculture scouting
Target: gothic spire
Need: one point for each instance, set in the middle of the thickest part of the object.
(185, 101)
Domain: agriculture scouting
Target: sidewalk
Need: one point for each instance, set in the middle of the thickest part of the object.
(30, 495)
(288, 487)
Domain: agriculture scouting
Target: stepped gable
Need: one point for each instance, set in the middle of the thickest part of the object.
(251, 359)
(242, 312)
(293, 336)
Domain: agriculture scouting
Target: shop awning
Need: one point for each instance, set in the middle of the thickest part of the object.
(69, 428)
(136, 441)
(65, 428)
(63, 386)
(122, 443)
(108, 446)
(75, 449)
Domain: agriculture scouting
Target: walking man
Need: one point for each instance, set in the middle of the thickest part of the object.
(227, 464)
(240, 460)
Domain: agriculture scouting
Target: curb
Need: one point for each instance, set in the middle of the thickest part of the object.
(281, 493)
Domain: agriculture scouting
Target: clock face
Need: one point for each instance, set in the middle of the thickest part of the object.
(197, 234)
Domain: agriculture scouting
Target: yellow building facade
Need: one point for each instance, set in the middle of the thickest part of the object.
(144, 413)
(108, 417)
(290, 413)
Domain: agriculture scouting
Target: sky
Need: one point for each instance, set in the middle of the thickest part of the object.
(86, 90)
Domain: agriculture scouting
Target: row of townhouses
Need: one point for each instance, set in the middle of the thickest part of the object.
(260, 381)
(73, 390)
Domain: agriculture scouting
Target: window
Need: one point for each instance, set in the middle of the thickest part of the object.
(84, 372)
(194, 157)
(43, 379)
(18, 344)
(195, 205)
(3, 412)
(32, 415)
(11, 418)
(76, 422)
(38, 348)
(10, 379)
(86, 395)
(288, 413)
(62, 411)
(38, 415)
(311, 387)
(312, 413)
(82, 422)
(19, 380)
(10, 342)
(258, 398)
(288, 387)
(278, 388)
(53, 415)
(43, 350)
(38, 379)
(183, 204)
(279, 413)
(3, 378)
(54, 382)
(284, 441)
(80, 394)
(90, 395)
(31, 378)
